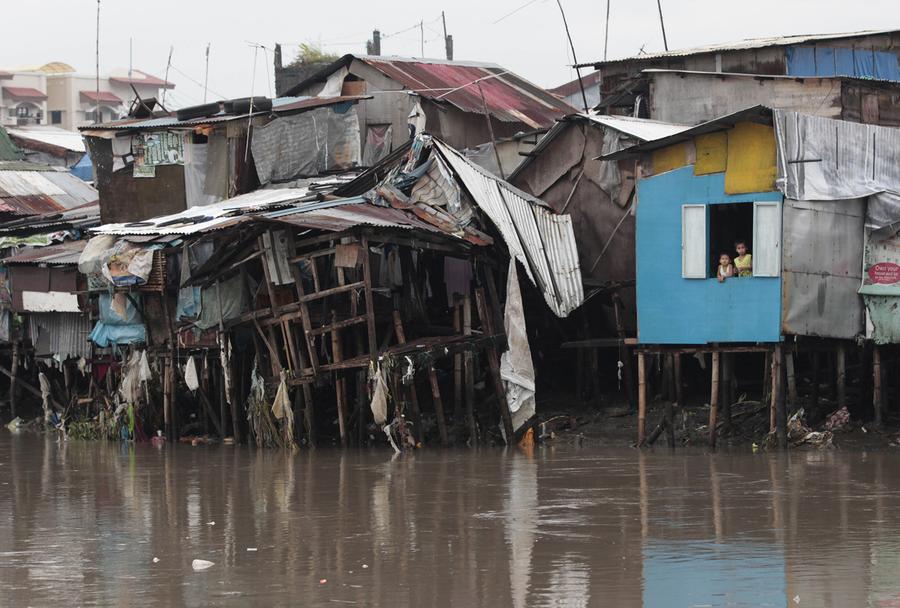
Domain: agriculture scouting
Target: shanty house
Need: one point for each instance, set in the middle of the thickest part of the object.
(447, 99)
(626, 88)
(156, 165)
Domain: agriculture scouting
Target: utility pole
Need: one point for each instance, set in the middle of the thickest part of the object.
(448, 40)
(574, 58)
(422, 37)
(97, 73)
(373, 46)
(168, 65)
(606, 35)
(130, 58)
(206, 74)
(662, 24)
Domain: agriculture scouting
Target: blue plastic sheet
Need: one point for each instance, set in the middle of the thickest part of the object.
(120, 322)
(812, 61)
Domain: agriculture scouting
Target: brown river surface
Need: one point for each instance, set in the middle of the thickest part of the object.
(81, 524)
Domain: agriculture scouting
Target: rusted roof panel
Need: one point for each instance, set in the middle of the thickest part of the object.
(102, 97)
(356, 213)
(24, 93)
(508, 97)
(38, 192)
(33, 204)
(64, 254)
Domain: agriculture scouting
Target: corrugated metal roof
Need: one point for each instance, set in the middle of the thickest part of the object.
(640, 128)
(282, 104)
(755, 113)
(53, 136)
(208, 217)
(543, 241)
(63, 254)
(508, 97)
(591, 79)
(103, 96)
(8, 150)
(142, 78)
(346, 214)
(749, 43)
(46, 190)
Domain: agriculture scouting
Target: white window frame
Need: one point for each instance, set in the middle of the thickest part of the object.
(758, 245)
(703, 268)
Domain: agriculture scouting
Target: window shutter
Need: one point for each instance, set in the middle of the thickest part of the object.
(693, 241)
(766, 239)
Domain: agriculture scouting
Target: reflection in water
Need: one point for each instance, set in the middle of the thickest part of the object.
(83, 521)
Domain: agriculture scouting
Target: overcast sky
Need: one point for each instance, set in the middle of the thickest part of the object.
(530, 41)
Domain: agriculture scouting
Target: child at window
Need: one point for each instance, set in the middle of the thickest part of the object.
(743, 263)
(726, 268)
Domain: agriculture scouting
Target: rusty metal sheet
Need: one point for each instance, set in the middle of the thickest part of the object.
(63, 254)
(822, 268)
(508, 97)
(337, 219)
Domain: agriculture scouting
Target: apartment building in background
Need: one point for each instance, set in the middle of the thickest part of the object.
(56, 94)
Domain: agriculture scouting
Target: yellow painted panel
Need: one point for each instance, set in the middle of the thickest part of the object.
(712, 153)
(751, 159)
(668, 158)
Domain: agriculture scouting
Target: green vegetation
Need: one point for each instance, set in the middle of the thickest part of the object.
(310, 54)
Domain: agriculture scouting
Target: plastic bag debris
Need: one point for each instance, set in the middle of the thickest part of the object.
(799, 434)
(190, 375)
(838, 420)
(379, 396)
(202, 564)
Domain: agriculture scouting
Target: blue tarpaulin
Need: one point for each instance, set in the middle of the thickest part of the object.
(811, 61)
(120, 321)
(83, 169)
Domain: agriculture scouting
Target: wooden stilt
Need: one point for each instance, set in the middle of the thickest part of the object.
(676, 367)
(727, 387)
(493, 358)
(791, 378)
(13, 375)
(470, 372)
(668, 378)
(670, 424)
(767, 382)
(778, 393)
(814, 376)
(714, 399)
(625, 352)
(458, 400)
(841, 375)
(773, 382)
(340, 385)
(877, 386)
(438, 405)
(167, 405)
(411, 389)
(642, 397)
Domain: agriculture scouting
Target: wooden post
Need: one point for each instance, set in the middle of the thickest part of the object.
(413, 396)
(841, 375)
(370, 301)
(670, 424)
(625, 352)
(791, 378)
(167, 405)
(767, 380)
(457, 365)
(487, 326)
(470, 372)
(714, 399)
(13, 374)
(778, 396)
(676, 365)
(438, 405)
(340, 385)
(727, 387)
(773, 382)
(877, 386)
(642, 397)
(814, 373)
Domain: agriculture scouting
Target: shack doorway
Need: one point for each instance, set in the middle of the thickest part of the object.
(728, 223)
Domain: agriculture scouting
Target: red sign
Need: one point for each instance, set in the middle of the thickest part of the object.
(884, 273)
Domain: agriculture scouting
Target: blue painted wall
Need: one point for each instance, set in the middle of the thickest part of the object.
(673, 310)
(808, 61)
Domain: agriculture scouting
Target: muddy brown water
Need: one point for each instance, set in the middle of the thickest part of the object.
(81, 524)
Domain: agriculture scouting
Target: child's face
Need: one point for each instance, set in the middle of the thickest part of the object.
(724, 260)
(741, 248)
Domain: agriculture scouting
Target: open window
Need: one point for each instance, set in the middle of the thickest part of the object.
(707, 231)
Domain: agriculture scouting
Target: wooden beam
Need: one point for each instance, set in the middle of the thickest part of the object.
(714, 399)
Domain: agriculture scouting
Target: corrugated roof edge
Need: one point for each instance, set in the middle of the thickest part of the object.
(890, 83)
(561, 124)
(717, 124)
(749, 43)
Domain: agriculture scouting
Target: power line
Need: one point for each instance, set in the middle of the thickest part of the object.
(196, 82)
(511, 13)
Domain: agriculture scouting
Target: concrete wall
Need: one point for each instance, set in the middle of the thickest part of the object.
(8, 104)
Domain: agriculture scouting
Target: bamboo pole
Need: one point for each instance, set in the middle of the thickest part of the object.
(791, 378)
(676, 365)
(470, 372)
(714, 399)
(340, 386)
(642, 398)
(778, 379)
(438, 405)
(13, 375)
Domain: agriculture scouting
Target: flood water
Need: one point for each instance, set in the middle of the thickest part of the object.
(81, 523)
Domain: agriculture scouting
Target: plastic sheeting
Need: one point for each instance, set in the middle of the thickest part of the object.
(307, 144)
(222, 301)
(806, 61)
(820, 159)
(516, 367)
(120, 321)
(196, 192)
